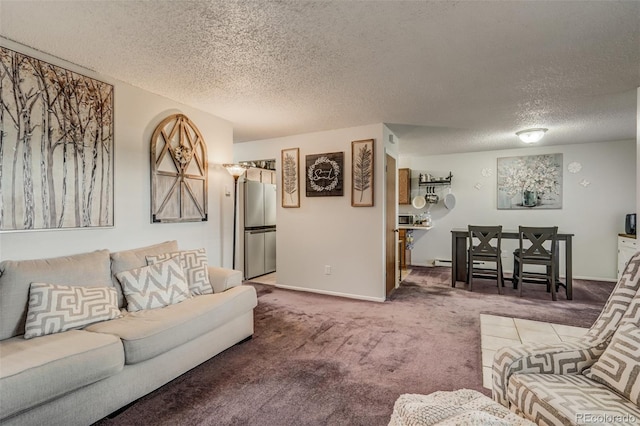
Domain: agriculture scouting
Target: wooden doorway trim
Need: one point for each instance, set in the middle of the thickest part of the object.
(391, 231)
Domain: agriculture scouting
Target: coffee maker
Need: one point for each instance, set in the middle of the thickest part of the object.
(630, 224)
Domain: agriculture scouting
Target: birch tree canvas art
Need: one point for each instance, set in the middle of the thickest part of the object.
(56, 146)
(362, 160)
(290, 177)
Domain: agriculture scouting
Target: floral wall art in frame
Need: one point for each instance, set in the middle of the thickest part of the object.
(325, 176)
(290, 177)
(362, 159)
(530, 182)
(56, 147)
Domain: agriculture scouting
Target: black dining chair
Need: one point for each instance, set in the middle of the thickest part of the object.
(485, 251)
(541, 250)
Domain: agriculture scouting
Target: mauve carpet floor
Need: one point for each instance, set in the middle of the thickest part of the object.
(322, 360)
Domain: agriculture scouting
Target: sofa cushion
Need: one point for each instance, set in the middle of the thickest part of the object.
(56, 308)
(223, 279)
(38, 370)
(194, 265)
(16, 276)
(148, 333)
(136, 258)
(568, 399)
(452, 408)
(619, 365)
(154, 286)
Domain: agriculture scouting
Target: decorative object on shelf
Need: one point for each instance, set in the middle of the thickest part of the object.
(290, 177)
(409, 239)
(179, 177)
(429, 180)
(574, 167)
(424, 178)
(419, 202)
(531, 135)
(432, 198)
(325, 174)
(428, 221)
(530, 182)
(449, 200)
(585, 183)
(56, 147)
(362, 173)
(235, 170)
(486, 172)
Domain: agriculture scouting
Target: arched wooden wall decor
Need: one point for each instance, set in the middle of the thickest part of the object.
(179, 179)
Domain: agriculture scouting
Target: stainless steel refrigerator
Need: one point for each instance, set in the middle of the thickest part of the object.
(259, 228)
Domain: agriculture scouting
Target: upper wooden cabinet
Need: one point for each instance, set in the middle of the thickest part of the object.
(254, 174)
(261, 175)
(404, 186)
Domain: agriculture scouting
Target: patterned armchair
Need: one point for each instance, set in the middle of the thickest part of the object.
(560, 385)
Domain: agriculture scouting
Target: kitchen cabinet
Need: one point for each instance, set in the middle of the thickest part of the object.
(404, 186)
(254, 174)
(403, 248)
(627, 247)
(261, 175)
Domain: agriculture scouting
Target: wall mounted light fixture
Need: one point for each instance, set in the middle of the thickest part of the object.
(531, 135)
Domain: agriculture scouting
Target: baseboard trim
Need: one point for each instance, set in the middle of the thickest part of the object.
(447, 263)
(608, 280)
(331, 293)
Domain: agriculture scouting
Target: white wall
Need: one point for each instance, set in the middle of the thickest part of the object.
(137, 112)
(327, 230)
(595, 214)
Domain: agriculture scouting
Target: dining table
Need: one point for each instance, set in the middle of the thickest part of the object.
(459, 238)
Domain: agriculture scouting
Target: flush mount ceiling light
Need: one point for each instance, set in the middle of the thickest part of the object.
(531, 135)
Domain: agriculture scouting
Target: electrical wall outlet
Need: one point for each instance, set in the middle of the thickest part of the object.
(327, 269)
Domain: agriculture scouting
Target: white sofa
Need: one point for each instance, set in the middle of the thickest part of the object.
(77, 377)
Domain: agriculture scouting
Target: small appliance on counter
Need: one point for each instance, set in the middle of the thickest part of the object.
(406, 219)
(630, 224)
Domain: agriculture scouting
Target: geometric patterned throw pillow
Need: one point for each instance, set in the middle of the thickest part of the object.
(619, 364)
(154, 286)
(194, 265)
(56, 308)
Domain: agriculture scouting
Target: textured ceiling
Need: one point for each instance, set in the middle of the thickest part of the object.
(446, 76)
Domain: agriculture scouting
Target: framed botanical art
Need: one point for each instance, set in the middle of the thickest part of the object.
(290, 177)
(530, 182)
(362, 159)
(56, 147)
(325, 175)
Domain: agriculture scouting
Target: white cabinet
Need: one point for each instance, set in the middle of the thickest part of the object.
(627, 247)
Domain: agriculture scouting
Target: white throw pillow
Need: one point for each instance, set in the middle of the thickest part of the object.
(194, 265)
(619, 365)
(54, 308)
(154, 286)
